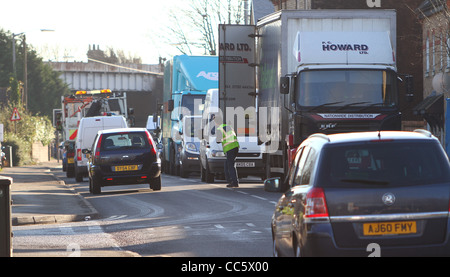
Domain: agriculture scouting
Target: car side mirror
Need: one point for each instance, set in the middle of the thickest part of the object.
(272, 184)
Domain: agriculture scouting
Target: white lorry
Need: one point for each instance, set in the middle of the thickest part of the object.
(323, 71)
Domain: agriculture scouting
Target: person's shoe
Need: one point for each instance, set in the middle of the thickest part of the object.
(232, 186)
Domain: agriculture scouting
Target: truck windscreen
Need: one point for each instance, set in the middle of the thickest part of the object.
(194, 103)
(349, 88)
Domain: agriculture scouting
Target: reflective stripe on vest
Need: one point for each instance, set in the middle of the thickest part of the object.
(230, 140)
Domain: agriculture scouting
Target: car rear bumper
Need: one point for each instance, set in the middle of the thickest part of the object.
(320, 242)
(143, 176)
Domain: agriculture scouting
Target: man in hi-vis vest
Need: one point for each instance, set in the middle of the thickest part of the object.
(226, 135)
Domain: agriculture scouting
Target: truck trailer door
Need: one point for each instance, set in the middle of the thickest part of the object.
(237, 77)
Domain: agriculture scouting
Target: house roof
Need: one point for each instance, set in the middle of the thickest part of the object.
(261, 8)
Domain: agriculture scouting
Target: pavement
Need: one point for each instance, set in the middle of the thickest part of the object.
(39, 197)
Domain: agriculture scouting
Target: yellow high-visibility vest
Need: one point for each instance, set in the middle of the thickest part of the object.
(229, 140)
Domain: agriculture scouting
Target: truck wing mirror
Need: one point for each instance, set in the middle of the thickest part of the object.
(284, 85)
(409, 84)
(170, 105)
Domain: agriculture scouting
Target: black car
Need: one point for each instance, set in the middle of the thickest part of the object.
(122, 157)
(365, 194)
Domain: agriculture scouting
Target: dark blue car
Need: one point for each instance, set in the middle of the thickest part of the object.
(123, 157)
(363, 194)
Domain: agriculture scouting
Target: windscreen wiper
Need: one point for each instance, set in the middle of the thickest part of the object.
(372, 105)
(324, 105)
(352, 104)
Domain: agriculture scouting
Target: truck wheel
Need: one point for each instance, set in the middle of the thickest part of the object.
(155, 184)
(183, 172)
(209, 177)
(202, 173)
(78, 175)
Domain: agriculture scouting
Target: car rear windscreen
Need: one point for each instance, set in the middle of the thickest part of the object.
(121, 141)
(383, 163)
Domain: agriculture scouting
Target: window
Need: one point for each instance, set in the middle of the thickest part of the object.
(122, 141)
(305, 167)
(447, 50)
(433, 54)
(337, 88)
(308, 167)
(396, 163)
(427, 56)
(293, 168)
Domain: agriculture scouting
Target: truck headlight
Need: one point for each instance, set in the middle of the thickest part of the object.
(216, 153)
(191, 147)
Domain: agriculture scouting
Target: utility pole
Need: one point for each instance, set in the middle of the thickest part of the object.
(25, 73)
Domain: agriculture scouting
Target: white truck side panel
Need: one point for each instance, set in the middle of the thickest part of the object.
(332, 21)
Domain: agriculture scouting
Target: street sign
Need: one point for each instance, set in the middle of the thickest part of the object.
(15, 115)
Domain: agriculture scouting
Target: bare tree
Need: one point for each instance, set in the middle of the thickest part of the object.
(437, 16)
(196, 27)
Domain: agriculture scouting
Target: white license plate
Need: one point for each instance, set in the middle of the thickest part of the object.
(245, 164)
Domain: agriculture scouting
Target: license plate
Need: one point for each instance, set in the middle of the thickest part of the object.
(70, 160)
(126, 168)
(389, 228)
(245, 164)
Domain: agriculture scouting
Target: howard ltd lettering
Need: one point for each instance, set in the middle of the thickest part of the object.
(234, 47)
(344, 47)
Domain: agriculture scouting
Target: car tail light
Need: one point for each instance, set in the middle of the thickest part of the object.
(150, 140)
(78, 154)
(316, 205)
(97, 148)
(70, 154)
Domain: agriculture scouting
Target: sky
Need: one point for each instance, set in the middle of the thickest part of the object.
(134, 26)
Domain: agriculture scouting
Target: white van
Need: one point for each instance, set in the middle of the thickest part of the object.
(212, 159)
(87, 130)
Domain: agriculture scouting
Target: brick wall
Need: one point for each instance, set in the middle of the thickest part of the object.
(39, 152)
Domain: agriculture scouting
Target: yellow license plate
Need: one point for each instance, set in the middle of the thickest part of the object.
(126, 168)
(70, 160)
(389, 228)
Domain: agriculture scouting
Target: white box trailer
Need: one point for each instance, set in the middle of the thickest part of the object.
(325, 71)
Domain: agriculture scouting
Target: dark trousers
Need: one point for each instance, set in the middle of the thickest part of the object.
(230, 167)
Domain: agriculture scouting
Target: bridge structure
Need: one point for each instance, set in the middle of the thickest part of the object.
(143, 83)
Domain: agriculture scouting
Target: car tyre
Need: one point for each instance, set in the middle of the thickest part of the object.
(78, 175)
(155, 184)
(70, 172)
(202, 173)
(298, 249)
(275, 252)
(95, 186)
